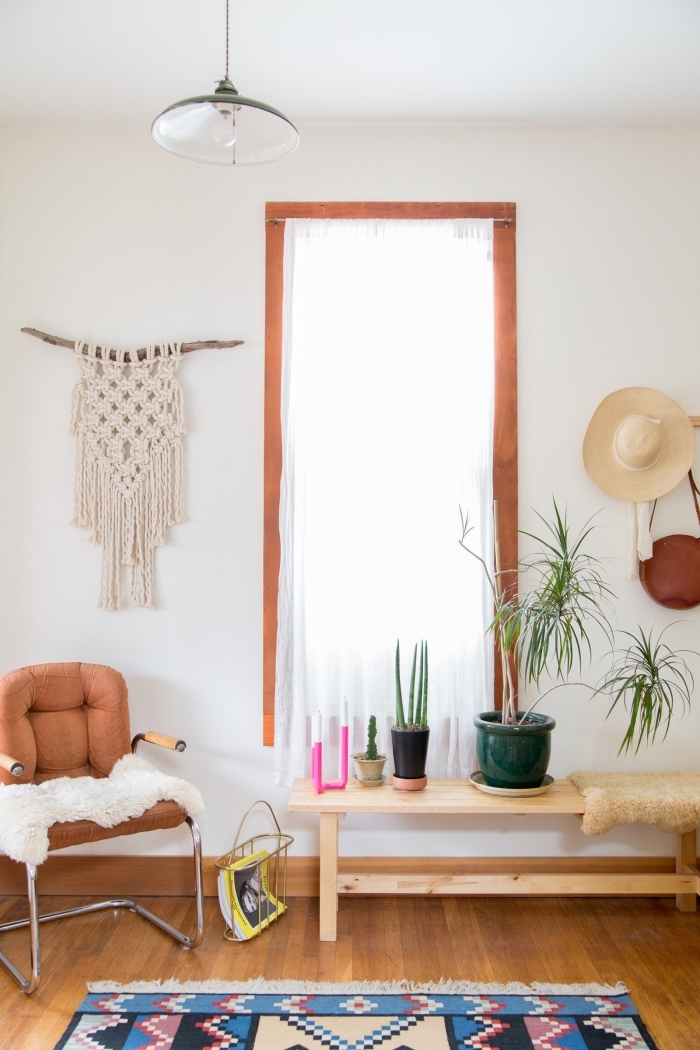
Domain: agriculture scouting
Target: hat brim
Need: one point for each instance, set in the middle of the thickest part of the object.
(677, 445)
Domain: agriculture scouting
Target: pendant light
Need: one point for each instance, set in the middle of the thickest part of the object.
(225, 128)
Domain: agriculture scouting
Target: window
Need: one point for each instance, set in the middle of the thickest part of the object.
(329, 409)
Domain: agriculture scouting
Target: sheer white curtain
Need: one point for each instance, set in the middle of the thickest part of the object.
(387, 417)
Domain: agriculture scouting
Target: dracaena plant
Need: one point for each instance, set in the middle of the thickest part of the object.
(417, 717)
(648, 678)
(543, 624)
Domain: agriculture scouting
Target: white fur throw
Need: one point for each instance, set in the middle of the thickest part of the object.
(27, 811)
(671, 801)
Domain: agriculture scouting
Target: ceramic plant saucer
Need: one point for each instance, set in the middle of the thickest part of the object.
(478, 781)
(369, 783)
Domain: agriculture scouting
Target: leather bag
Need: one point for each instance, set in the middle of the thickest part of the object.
(672, 575)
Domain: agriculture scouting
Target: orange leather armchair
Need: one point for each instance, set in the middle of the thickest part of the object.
(72, 720)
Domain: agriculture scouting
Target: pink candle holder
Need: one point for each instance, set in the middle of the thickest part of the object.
(317, 752)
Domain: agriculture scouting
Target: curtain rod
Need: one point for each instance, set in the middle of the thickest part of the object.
(277, 220)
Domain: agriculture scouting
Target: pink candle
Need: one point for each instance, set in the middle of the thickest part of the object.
(339, 785)
(317, 751)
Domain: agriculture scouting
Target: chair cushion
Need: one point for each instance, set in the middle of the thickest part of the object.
(63, 720)
(77, 832)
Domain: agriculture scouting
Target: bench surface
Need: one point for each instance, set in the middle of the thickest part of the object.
(440, 796)
(460, 796)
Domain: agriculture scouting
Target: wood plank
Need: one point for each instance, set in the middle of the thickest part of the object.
(519, 885)
(111, 876)
(389, 210)
(428, 957)
(664, 953)
(637, 962)
(360, 939)
(468, 946)
(376, 939)
(505, 955)
(297, 933)
(171, 876)
(309, 953)
(439, 936)
(505, 418)
(343, 945)
(392, 939)
(440, 796)
(409, 919)
(686, 852)
(328, 915)
(274, 277)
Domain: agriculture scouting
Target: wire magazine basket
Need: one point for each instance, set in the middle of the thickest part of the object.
(253, 880)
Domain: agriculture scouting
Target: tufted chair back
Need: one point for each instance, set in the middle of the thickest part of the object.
(63, 720)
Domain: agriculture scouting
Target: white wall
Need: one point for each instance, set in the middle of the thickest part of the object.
(106, 237)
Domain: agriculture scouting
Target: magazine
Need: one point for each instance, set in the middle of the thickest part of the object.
(246, 902)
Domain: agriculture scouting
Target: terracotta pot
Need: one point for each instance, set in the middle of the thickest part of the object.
(369, 769)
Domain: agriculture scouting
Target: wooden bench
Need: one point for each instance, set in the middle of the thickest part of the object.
(460, 796)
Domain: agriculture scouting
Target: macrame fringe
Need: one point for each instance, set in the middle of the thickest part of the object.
(442, 987)
(129, 473)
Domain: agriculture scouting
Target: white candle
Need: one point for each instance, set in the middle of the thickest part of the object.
(316, 728)
(344, 712)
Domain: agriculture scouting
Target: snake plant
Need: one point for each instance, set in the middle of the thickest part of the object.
(417, 701)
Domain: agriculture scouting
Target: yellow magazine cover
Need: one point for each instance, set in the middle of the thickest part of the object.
(244, 896)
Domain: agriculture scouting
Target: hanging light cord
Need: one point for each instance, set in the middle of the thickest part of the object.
(227, 37)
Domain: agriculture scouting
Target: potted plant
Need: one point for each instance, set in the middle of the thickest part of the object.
(409, 737)
(541, 625)
(369, 766)
(648, 677)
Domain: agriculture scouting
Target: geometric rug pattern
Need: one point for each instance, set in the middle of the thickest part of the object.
(408, 1021)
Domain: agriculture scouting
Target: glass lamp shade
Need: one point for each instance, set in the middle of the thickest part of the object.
(225, 128)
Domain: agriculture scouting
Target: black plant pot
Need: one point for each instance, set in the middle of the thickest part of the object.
(410, 747)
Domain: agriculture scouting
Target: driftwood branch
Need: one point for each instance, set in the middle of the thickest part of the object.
(186, 348)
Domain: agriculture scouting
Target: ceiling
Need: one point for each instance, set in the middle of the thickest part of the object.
(541, 62)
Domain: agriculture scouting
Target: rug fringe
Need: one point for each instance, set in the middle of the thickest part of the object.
(443, 986)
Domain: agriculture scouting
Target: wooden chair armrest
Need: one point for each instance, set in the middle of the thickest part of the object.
(171, 742)
(11, 765)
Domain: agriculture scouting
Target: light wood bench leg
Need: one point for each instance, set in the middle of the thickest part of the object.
(328, 904)
(686, 856)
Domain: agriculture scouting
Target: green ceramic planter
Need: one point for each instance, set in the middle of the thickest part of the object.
(513, 756)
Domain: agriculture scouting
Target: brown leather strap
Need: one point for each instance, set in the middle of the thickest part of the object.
(696, 492)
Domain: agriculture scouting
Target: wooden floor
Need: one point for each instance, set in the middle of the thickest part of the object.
(648, 944)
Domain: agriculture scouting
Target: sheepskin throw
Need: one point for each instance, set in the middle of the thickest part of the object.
(670, 801)
(27, 811)
(127, 415)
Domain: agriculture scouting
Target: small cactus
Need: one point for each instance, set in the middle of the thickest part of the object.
(371, 753)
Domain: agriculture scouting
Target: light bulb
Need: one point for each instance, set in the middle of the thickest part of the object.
(224, 133)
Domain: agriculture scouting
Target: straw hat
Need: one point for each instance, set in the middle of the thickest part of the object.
(639, 444)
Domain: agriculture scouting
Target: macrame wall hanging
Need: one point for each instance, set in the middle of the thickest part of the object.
(128, 420)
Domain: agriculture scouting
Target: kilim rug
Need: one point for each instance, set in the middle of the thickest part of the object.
(292, 1016)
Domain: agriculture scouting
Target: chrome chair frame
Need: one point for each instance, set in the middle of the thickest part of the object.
(30, 985)
(33, 922)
